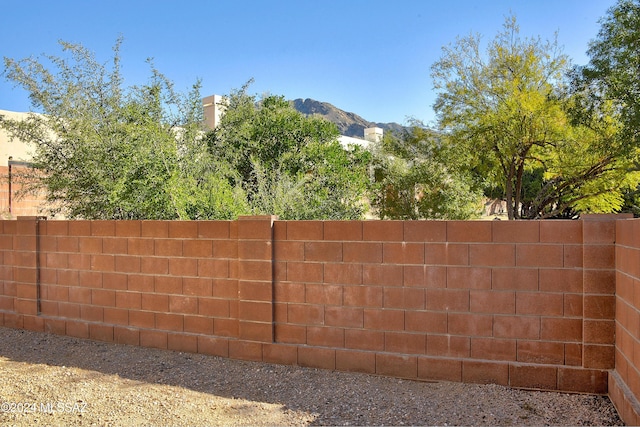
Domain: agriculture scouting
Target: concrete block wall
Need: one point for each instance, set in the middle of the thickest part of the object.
(485, 301)
(624, 381)
(151, 283)
(527, 304)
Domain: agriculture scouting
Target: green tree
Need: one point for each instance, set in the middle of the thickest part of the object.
(610, 82)
(103, 150)
(508, 113)
(288, 164)
(612, 72)
(417, 177)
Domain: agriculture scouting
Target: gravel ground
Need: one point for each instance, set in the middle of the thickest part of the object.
(55, 380)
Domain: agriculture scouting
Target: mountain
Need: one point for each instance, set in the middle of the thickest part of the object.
(349, 124)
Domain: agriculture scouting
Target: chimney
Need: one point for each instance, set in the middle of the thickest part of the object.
(213, 107)
(373, 134)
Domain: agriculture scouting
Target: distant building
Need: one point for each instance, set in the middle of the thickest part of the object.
(371, 135)
(13, 148)
(14, 158)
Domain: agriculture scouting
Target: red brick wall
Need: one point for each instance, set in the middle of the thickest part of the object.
(25, 205)
(527, 304)
(624, 382)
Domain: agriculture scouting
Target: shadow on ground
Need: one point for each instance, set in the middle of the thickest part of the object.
(334, 398)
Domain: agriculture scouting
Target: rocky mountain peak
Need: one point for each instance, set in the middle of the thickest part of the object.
(349, 124)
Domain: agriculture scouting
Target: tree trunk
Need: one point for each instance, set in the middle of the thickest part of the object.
(518, 192)
(509, 193)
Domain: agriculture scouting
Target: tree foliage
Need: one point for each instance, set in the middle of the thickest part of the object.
(509, 113)
(612, 73)
(609, 85)
(288, 164)
(103, 150)
(415, 176)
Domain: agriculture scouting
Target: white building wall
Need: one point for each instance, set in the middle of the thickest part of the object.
(13, 148)
(348, 140)
(371, 135)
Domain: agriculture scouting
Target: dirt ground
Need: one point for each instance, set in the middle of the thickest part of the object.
(55, 380)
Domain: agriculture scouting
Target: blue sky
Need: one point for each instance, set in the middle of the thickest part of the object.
(370, 57)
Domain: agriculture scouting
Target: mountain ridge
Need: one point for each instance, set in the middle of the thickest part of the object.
(349, 124)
